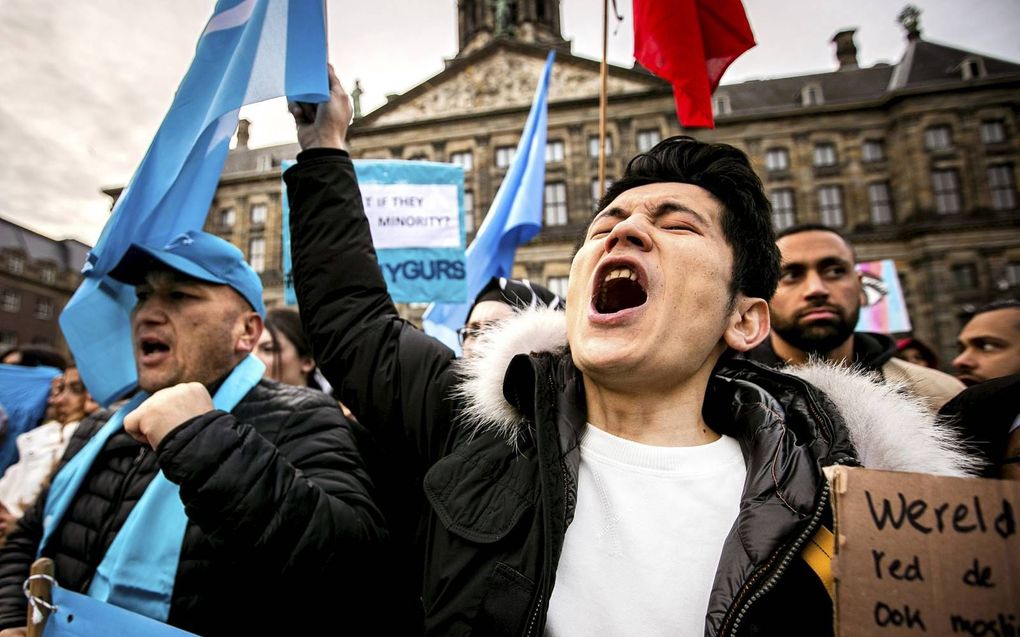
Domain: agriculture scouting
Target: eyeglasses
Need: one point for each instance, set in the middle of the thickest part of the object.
(75, 388)
(473, 331)
(466, 332)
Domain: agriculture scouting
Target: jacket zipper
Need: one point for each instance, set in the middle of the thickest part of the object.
(540, 601)
(121, 491)
(534, 615)
(793, 550)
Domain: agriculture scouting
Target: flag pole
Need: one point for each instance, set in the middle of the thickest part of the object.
(603, 89)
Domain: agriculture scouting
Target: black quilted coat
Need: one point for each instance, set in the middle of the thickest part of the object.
(282, 530)
(495, 518)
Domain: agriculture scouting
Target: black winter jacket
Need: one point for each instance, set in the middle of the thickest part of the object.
(281, 521)
(501, 491)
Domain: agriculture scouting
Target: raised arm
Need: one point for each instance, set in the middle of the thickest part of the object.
(391, 375)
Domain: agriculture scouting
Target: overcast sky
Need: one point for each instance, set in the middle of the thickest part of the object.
(84, 84)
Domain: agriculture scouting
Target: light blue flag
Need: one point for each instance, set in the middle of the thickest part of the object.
(23, 395)
(78, 615)
(250, 51)
(514, 217)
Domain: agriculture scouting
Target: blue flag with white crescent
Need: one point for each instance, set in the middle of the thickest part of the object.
(250, 51)
(514, 217)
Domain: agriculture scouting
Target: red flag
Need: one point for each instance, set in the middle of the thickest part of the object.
(690, 43)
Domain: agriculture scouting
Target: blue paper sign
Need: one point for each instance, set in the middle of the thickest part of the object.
(79, 615)
(415, 210)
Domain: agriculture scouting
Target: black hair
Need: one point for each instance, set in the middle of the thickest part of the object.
(1002, 304)
(287, 322)
(39, 355)
(927, 353)
(726, 172)
(520, 294)
(816, 227)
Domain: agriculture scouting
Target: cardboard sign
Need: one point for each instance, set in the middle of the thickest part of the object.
(415, 211)
(924, 555)
(885, 310)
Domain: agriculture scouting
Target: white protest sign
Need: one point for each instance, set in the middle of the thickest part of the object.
(412, 215)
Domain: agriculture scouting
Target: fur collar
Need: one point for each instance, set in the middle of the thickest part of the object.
(891, 430)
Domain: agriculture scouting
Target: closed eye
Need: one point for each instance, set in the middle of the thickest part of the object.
(601, 230)
(679, 227)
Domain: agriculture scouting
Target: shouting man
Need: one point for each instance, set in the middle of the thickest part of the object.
(599, 471)
(214, 500)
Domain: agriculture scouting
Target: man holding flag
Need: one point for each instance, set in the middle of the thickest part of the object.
(213, 501)
(595, 473)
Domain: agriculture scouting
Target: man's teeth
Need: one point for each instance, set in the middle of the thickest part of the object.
(620, 273)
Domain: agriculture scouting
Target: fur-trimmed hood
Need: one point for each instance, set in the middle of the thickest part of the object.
(890, 429)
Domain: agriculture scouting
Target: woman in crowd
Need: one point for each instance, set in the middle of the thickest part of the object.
(286, 352)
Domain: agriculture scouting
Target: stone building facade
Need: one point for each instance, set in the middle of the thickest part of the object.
(38, 275)
(915, 161)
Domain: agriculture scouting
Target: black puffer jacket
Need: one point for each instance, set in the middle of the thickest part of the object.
(498, 459)
(281, 522)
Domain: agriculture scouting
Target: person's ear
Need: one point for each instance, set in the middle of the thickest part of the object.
(748, 323)
(248, 329)
(862, 295)
(307, 364)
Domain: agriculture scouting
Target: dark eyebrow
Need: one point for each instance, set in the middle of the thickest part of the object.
(827, 261)
(667, 207)
(613, 211)
(664, 208)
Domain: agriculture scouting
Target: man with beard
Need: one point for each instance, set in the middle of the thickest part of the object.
(816, 306)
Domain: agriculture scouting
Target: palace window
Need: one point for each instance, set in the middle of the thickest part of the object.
(555, 151)
(993, 131)
(945, 184)
(505, 156)
(777, 159)
(464, 159)
(593, 146)
(258, 214)
(257, 254)
(824, 155)
(646, 139)
(784, 212)
(938, 137)
(880, 201)
(1002, 187)
(556, 204)
(872, 150)
(830, 203)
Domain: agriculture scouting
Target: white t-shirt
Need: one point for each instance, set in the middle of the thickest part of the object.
(641, 554)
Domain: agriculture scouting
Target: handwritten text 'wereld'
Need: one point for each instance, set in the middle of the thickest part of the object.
(946, 517)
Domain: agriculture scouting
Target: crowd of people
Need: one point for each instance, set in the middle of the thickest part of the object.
(642, 457)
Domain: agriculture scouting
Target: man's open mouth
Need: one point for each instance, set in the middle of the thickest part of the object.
(619, 288)
(151, 345)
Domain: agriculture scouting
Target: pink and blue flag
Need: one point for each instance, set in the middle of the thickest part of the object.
(885, 310)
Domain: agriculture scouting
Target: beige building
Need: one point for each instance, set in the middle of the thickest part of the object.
(915, 161)
(38, 275)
